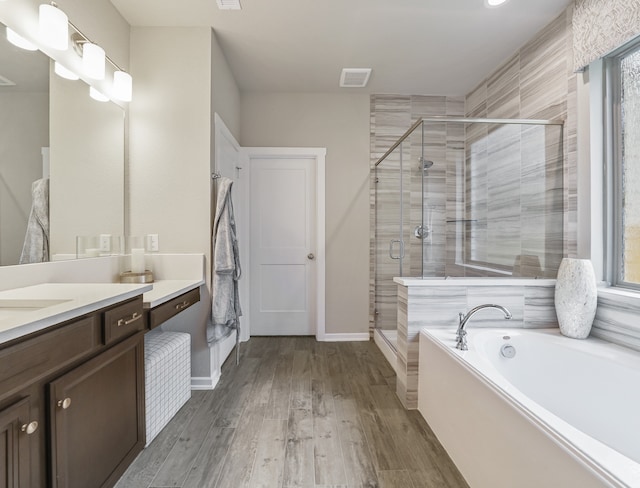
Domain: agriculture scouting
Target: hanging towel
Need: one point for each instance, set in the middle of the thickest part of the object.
(225, 302)
(36, 240)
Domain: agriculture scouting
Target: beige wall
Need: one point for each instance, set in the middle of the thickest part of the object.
(225, 94)
(339, 122)
(169, 150)
(181, 79)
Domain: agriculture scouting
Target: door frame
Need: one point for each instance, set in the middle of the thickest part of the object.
(319, 154)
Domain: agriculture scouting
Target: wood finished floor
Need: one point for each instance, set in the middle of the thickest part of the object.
(297, 413)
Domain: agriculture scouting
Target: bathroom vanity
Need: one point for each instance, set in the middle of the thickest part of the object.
(71, 383)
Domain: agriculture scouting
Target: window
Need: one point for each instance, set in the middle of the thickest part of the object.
(624, 75)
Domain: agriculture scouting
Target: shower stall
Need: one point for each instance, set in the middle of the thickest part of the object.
(461, 197)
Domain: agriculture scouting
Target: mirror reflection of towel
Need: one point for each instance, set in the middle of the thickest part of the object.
(36, 240)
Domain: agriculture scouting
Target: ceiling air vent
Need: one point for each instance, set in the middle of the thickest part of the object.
(6, 82)
(355, 77)
(229, 4)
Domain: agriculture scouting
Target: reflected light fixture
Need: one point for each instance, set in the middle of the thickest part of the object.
(64, 72)
(97, 95)
(19, 41)
(122, 86)
(93, 59)
(54, 26)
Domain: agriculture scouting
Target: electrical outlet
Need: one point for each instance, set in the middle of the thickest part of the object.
(153, 244)
(105, 242)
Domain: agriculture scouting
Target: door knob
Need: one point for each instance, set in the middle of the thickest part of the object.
(310, 256)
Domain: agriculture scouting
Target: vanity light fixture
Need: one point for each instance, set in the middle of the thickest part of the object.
(122, 85)
(97, 95)
(93, 59)
(54, 26)
(19, 41)
(93, 64)
(65, 73)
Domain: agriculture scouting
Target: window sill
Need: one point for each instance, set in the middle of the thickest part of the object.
(607, 291)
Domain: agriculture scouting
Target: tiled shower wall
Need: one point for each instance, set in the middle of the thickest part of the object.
(537, 82)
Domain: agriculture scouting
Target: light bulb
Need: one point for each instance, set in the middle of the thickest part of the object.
(54, 27)
(64, 72)
(494, 3)
(97, 95)
(122, 86)
(93, 59)
(19, 41)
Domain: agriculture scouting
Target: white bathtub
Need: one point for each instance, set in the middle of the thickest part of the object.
(560, 413)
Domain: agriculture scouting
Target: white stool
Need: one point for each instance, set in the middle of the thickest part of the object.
(167, 374)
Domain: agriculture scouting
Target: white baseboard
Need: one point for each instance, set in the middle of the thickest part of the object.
(348, 337)
(218, 354)
(225, 348)
(386, 350)
(204, 382)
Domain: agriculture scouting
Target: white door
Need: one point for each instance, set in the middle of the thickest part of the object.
(283, 237)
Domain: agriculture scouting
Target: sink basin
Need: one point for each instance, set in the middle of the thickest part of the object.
(13, 307)
(29, 304)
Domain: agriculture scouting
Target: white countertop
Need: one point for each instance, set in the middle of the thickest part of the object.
(75, 299)
(165, 290)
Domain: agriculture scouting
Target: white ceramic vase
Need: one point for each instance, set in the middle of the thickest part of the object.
(576, 297)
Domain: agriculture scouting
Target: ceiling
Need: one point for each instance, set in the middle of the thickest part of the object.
(435, 47)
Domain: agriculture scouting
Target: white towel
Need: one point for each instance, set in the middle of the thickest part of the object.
(225, 304)
(36, 240)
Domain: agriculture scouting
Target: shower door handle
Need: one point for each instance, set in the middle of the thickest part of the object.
(400, 248)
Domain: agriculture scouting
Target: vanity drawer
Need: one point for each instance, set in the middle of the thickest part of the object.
(123, 320)
(165, 311)
(29, 361)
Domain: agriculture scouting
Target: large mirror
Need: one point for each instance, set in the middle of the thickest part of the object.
(51, 128)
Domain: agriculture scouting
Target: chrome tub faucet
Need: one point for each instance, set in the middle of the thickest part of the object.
(461, 334)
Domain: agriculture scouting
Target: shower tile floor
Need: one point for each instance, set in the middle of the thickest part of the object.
(297, 413)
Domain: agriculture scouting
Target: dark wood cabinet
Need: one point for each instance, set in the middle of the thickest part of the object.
(97, 417)
(94, 366)
(163, 312)
(16, 429)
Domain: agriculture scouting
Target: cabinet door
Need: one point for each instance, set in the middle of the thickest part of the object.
(97, 417)
(15, 428)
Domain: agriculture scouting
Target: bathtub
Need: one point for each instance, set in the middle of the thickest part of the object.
(560, 413)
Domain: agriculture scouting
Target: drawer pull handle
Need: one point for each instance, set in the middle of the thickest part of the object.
(134, 317)
(183, 305)
(30, 428)
(64, 404)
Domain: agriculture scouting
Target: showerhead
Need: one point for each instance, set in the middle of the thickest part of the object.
(425, 164)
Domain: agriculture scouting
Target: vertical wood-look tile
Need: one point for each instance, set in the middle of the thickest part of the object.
(324, 446)
(358, 461)
(328, 460)
(268, 469)
(301, 380)
(237, 467)
(208, 463)
(299, 471)
(394, 479)
(278, 405)
(144, 469)
(239, 394)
